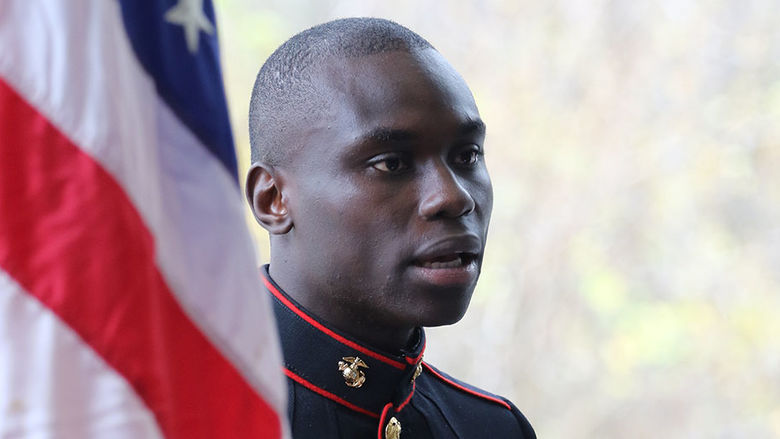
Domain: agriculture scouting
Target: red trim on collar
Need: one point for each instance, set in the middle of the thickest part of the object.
(466, 389)
(293, 376)
(416, 359)
(321, 327)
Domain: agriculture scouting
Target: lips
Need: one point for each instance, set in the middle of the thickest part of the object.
(451, 252)
(448, 261)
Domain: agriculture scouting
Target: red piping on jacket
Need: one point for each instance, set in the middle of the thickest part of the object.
(406, 401)
(318, 325)
(416, 359)
(327, 394)
(382, 418)
(466, 389)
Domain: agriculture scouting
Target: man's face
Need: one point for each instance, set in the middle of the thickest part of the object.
(388, 192)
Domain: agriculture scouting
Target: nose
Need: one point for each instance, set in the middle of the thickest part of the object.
(442, 195)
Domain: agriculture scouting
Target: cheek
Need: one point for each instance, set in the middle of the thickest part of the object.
(488, 204)
(347, 220)
(481, 189)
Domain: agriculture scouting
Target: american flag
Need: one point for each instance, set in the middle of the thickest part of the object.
(130, 301)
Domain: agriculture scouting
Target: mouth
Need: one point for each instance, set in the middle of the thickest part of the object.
(449, 261)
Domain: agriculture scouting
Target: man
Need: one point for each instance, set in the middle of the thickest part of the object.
(368, 173)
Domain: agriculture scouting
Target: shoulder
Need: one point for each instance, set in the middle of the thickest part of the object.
(467, 407)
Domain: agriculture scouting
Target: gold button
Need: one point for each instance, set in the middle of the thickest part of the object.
(350, 370)
(393, 429)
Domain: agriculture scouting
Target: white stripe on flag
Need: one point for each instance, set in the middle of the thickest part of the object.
(59, 371)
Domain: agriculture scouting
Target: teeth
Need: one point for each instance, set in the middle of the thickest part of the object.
(455, 263)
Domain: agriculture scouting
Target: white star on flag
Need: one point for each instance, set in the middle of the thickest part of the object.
(189, 15)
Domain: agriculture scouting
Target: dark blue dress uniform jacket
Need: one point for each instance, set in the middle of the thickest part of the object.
(427, 404)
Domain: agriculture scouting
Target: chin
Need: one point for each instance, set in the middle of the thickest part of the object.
(443, 321)
(446, 313)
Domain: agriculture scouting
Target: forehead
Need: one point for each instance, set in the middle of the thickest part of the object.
(394, 88)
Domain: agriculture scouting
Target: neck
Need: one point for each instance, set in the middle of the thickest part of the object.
(331, 307)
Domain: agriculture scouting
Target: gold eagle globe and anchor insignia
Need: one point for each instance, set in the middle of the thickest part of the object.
(350, 370)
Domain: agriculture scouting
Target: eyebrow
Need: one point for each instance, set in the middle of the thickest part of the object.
(386, 134)
(472, 126)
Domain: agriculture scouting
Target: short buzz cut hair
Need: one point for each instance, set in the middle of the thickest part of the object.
(284, 91)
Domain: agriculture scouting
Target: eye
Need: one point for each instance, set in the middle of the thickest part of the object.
(468, 156)
(390, 163)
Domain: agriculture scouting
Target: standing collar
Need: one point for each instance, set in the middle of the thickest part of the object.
(324, 360)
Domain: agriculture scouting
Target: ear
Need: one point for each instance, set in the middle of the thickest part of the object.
(269, 205)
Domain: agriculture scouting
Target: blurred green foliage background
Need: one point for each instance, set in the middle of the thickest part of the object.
(632, 282)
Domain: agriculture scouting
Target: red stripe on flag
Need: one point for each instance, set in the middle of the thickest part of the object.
(72, 238)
